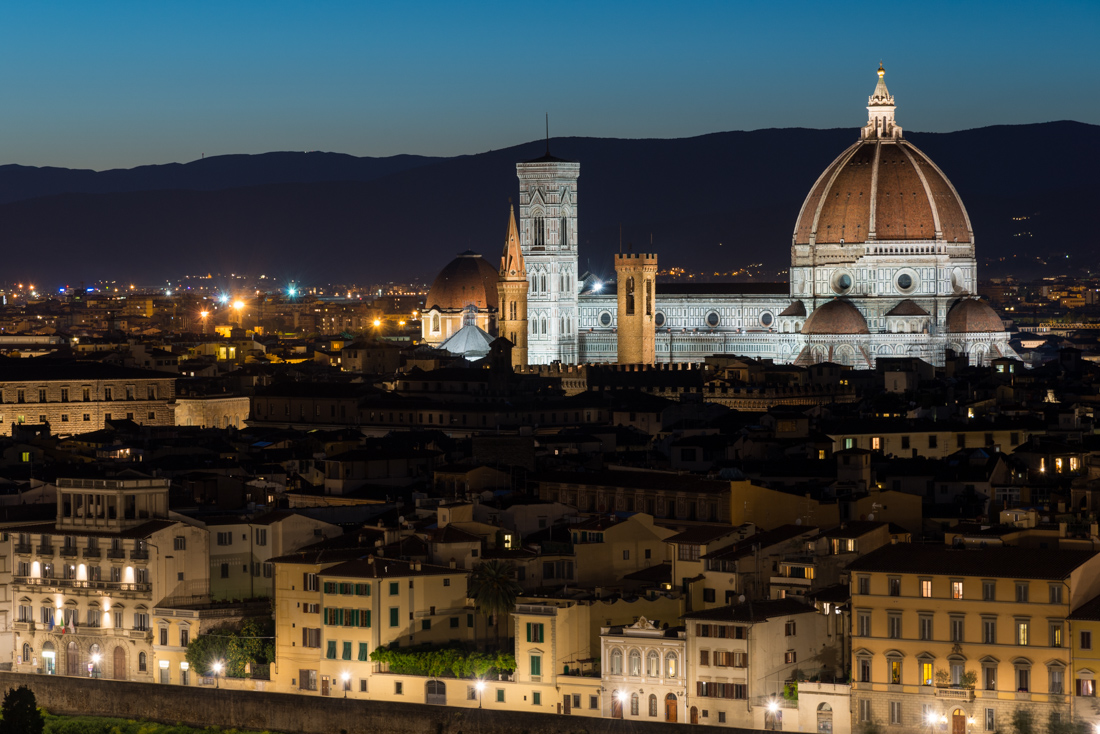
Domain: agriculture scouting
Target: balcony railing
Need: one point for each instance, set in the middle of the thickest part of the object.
(44, 550)
(139, 555)
(24, 626)
(81, 584)
(955, 694)
(116, 553)
(24, 548)
(67, 551)
(767, 700)
(92, 553)
(536, 609)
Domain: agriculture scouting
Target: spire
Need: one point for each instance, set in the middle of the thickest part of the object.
(512, 266)
(880, 112)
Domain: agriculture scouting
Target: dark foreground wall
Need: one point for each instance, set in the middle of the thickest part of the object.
(308, 714)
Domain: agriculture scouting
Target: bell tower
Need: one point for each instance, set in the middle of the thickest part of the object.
(512, 290)
(636, 276)
(548, 239)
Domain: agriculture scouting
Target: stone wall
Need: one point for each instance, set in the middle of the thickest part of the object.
(308, 714)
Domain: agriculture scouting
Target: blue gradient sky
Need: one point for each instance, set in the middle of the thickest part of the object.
(119, 84)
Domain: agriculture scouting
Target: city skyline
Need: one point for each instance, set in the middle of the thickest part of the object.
(120, 87)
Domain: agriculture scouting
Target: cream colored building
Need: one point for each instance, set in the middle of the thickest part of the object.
(644, 672)
(212, 411)
(85, 586)
(961, 638)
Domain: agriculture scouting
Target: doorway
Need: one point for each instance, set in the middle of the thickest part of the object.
(324, 685)
(72, 659)
(566, 703)
(670, 708)
(694, 715)
(958, 722)
(49, 659)
(120, 663)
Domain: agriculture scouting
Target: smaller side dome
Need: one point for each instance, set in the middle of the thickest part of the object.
(971, 315)
(798, 308)
(838, 316)
(908, 307)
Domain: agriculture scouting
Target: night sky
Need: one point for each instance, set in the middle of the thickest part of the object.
(113, 84)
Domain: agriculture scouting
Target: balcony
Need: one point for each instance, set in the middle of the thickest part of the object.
(67, 551)
(955, 694)
(92, 553)
(81, 584)
(24, 548)
(139, 555)
(24, 626)
(777, 699)
(44, 550)
(540, 609)
(116, 553)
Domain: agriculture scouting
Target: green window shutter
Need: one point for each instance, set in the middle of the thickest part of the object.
(363, 652)
(394, 620)
(339, 616)
(364, 618)
(330, 652)
(536, 664)
(353, 618)
(528, 631)
(347, 651)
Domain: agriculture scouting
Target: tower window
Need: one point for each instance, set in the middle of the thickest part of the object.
(649, 297)
(630, 296)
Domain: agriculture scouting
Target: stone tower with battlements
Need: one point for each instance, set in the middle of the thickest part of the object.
(548, 240)
(512, 291)
(636, 276)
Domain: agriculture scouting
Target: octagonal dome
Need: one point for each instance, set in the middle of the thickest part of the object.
(971, 315)
(468, 280)
(838, 316)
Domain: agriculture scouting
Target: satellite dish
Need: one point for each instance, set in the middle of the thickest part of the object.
(798, 521)
(741, 598)
(871, 516)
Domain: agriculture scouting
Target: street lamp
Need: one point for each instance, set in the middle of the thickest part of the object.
(480, 686)
(95, 664)
(346, 677)
(217, 671)
(773, 711)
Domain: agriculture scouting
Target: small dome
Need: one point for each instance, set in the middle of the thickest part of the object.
(838, 316)
(908, 307)
(971, 315)
(795, 309)
(468, 280)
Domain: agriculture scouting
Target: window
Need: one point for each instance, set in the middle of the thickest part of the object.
(1086, 640)
(790, 657)
(311, 637)
(395, 616)
(225, 570)
(179, 543)
(653, 664)
(500, 695)
(362, 685)
(989, 631)
(634, 704)
(956, 629)
(895, 672)
(864, 709)
(893, 626)
(261, 536)
(616, 662)
(789, 629)
(1023, 679)
(863, 624)
(863, 584)
(894, 586)
(1055, 593)
(989, 591)
(593, 702)
(330, 650)
(990, 720)
(671, 665)
(956, 589)
(225, 538)
(398, 688)
(536, 665)
(1085, 687)
(394, 588)
(536, 698)
(652, 705)
(1056, 679)
(143, 662)
(164, 636)
(185, 636)
(307, 680)
(865, 670)
(1021, 591)
(895, 712)
(626, 555)
(926, 588)
(1055, 634)
(704, 657)
(925, 627)
(634, 663)
(989, 677)
(1022, 629)
(926, 673)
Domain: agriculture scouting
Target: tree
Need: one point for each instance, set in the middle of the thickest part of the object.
(1023, 722)
(494, 591)
(20, 712)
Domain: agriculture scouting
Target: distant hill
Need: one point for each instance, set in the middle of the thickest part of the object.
(712, 202)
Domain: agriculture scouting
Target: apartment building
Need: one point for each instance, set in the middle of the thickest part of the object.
(86, 584)
(962, 637)
(644, 671)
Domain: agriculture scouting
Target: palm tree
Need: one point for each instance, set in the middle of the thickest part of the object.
(494, 591)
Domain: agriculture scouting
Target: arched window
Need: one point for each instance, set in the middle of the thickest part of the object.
(670, 665)
(26, 653)
(544, 281)
(634, 704)
(635, 663)
(652, 705)
(544, 330)
(630, 295)
(435, 322)
(616, 662)
(653, 665)
(142, 660)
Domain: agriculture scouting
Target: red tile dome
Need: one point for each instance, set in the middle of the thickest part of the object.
(468, 280)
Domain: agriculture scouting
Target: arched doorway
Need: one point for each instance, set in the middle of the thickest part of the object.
(120, 663)
(824, 719)
(958, 722)
(694, 715)
(670, 708)
(616, 705)
(436, 691)
(72, 659)
(49, 659)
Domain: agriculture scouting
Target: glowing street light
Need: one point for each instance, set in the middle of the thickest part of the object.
(95, 664)
(217, 672)
(346, 677)
(480, 686)
(377, 323)
(238, 305)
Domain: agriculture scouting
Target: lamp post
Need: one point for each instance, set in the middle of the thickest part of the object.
(203, 315)
(773, 709)
(95, 665)
(346, 678)
(621, 696)
(217, 671)
(480, 686)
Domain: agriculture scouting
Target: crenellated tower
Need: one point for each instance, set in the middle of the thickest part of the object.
(636, 275)
(512, 291)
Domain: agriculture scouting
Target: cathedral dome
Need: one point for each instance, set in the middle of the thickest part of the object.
(971, 315)
(838, 316)
(882, 189)
(468, 280)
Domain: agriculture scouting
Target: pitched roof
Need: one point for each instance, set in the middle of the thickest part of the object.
(701, 534)
(1087, 612)
(751, 611)
(763, 539)
(377, 568)
(993, 562)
